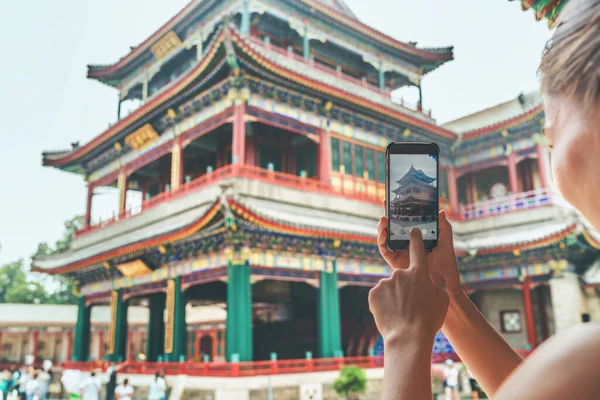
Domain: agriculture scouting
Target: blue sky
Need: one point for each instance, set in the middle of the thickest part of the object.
(47, 102)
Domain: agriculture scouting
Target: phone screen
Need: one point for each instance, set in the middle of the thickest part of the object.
(412, 194)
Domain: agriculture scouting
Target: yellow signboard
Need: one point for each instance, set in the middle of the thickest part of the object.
(166, 45)
(114, 298)
(142, 137)
(133, 268)
(170, 309)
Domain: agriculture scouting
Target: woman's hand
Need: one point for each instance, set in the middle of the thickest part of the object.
(441, 259)
(412, 303)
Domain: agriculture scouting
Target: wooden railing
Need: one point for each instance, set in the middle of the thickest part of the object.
(502, 205)
(253, 368)
(351, 187)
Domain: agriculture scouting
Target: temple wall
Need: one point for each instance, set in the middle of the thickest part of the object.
(568, 300)
(492, 302)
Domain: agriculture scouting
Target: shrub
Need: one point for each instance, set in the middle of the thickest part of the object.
(351, 382)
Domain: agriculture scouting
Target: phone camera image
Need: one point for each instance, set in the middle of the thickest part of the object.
(413, 195)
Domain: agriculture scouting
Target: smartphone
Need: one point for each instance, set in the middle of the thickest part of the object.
(412, 196)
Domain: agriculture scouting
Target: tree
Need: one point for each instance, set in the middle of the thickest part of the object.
(351, 382)
(66, 286)
(11, 275)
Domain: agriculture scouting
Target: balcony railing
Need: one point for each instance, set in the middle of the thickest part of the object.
(337, 73)
(252, 368)
(503, 205)
(345, 185)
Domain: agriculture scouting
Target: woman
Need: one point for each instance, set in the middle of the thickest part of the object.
(158, 388)
(424, 292)
(451, 380)
(124, 391)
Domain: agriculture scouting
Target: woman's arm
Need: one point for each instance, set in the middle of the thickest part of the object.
(484, 351)
(487, 355)
(407, 373)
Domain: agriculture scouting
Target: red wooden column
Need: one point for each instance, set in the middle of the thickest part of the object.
(513, 179)
(238, 147)
(324, 155)
(452, 190)
(527, 305)
(36, 340)
(88, 205)
(213, 335)
(543, 165)
(69, 344)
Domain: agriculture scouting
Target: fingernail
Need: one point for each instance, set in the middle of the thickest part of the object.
(415, 232)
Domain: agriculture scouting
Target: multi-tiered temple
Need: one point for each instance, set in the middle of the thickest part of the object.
(258, 153)
(415, 198)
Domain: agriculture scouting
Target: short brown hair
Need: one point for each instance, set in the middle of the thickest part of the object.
(571, 63)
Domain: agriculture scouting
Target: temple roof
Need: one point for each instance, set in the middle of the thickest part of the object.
(44, 315)
(335, 9)
(339, 6)
(275, 63)
(500, 116)
(417, 174)
(549, 9)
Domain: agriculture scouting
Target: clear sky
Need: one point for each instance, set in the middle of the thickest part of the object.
(47, 102)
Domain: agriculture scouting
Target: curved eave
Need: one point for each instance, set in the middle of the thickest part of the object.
(441, 55)
(194, 73)
(504, 124)
(137, 114)
(521, 246)
(275, 226)
(331, 91)
(100, 71)
(549, 9)
(152, 242)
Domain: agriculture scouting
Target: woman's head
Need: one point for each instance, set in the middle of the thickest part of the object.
(570, 72)
(125, 382)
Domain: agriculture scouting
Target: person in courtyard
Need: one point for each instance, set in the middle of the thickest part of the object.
(474, 385)
(33, 387)
(90, 387)
(424, 293)
(124, 391)
(111, 381)
(158, 387)
(451, 380)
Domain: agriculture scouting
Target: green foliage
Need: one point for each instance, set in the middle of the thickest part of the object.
(18, 285)
(351, 382)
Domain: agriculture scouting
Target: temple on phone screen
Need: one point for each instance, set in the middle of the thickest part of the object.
(413, 195)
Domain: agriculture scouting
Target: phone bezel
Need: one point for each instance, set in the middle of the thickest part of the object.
(409, 148)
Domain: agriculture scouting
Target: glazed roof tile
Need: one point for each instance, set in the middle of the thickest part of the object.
(496, 117)
(306, 217)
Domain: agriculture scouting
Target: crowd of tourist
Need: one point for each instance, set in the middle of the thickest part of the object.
(28, 383)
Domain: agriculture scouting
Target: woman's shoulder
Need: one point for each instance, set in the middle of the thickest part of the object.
(565, 366)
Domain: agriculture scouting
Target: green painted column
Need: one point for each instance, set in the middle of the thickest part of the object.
(120, 331)
(81, 344)
(306, 46)
(245, 26)
(238, 338)
(155, 344)
(179, 325)
(381, 78)
(330, 341)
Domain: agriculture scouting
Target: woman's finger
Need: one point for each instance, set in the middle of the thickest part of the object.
(418, 257)
(445, 237)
